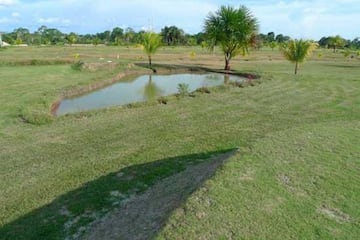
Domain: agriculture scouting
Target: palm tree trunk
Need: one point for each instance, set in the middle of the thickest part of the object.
(296, 67)
(149, 56)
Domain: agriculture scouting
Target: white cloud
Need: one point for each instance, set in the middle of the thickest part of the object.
(308, 19)
(53, 20)
(296, 18)
(8, 2)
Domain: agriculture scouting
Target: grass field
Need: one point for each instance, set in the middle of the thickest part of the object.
(295, 175)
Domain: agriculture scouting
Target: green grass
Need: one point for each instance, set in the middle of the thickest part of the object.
(296, 175)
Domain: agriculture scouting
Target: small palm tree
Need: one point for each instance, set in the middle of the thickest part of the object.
(231, 28)
(151, 43)
(296, 51)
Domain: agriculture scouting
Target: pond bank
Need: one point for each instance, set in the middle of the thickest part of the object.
(130, 90)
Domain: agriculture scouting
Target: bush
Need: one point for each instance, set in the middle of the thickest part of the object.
(162, 100)
(183, 89)
(203, 90)
(78, 66)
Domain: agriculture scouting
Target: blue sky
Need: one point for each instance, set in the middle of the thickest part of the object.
(309, 19)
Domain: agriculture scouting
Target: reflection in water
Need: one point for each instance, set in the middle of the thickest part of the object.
(226, 78)
(142, 88)
(151, 91)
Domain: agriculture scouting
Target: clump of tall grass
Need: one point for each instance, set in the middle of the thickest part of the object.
(183, 89)
(162, 100)
(77, 66)
(203, 90)
(35, 116)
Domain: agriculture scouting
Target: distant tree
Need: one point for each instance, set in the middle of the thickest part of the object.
(117, 35)
(296, 51)
(42, 29)
(86, 39)
(41, 33)
(273, 45)
(270, 37)
(9, 38)
(22, 35)
(139, 36)
(256, 41)
(324, 42)
(71, 38)
(231, 28)
(172, 35)
(281, 38)
(129, 35)
(53, 36)
(190, 40)
(355, 43)
(336, 42)
(96, 41)
(200, 37)
(151, 43)
(36, 38)
(104, 36)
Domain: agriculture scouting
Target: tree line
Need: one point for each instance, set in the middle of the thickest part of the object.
(117, 36)
(170, 35)
(234, 30)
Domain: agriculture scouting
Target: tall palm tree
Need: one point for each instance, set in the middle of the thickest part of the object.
(151, 43)
(231, 28)
(296, 51)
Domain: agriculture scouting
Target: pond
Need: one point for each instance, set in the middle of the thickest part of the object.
(139, 89)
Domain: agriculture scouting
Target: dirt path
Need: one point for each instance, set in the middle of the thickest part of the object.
(143, 216)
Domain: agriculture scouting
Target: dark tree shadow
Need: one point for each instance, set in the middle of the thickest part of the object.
(135, 192)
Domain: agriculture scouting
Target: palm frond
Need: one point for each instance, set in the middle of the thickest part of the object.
(151, 42)
(231, 28)
(298, 50)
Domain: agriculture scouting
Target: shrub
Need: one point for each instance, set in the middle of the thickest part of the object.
(203, 90)
(77, 66)
(162, 100)
(183, 89)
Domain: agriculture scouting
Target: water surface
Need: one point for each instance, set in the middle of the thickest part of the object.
(142, 88)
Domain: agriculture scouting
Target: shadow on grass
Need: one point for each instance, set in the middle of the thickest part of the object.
(343, 66)
(132, 192)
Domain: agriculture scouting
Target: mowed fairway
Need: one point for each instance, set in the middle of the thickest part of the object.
(295, 175)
